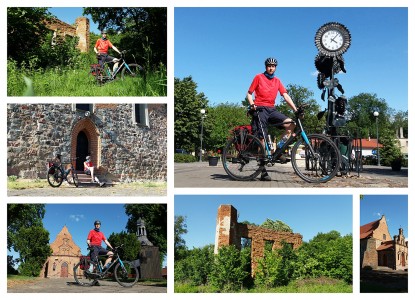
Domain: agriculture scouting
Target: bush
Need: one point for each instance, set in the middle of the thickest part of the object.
(184, 158)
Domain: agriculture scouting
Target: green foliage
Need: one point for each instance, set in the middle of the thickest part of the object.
(220, 120)
(229, 269)
(276, 225)
(195, 266)
(140, 28)
(327, 254)
(12, 178)
(276, 268)
(187, 117)
(32, 244)
(131, 246)
(155, 217)
(184, 158)
(180, 228)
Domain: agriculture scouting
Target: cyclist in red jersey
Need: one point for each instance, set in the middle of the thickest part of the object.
(101, 49)
(94, 239)
(89, 168)
(266, 86)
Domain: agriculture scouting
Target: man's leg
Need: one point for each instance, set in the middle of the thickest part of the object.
(261, 130)
(91, 169)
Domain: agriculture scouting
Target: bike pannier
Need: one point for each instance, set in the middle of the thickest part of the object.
(84, 262)
(240, 133)
(95, 69)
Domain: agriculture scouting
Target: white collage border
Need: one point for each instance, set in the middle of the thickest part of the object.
(171, 191)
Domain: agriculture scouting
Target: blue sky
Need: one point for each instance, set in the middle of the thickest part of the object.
(305, 214)
(394, 207)
(224, 48)
(69, 15)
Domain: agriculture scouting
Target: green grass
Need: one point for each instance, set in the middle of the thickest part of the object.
(68, 82)
(21, 184)
(317, 285)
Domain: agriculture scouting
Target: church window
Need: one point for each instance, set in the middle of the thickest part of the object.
(140, 114)
(84, 107)
(384, 237)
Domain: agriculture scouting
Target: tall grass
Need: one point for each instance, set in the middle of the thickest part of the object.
(60, 81)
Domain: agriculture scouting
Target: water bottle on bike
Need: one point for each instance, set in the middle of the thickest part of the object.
(282, 141)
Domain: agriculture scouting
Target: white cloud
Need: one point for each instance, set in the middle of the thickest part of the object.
(76, 218)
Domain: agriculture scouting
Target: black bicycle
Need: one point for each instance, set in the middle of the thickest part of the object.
(104, 74)
(57, 174)
(315, 158)
(126, 273)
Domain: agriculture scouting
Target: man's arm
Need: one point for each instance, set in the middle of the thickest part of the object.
(108, 244)
(289, 101)
(250, 99)
(116, 50)
(96, 50)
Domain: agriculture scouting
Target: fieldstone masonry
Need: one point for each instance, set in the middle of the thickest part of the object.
(230, 232)
(80, 30)
(121, 149)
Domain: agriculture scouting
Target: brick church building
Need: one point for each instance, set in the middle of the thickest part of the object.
(379, 249)
(126, 142)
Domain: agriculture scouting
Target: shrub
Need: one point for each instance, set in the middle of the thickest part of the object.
(184, 158)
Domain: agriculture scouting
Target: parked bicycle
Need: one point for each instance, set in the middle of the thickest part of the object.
(57, 174)
(125, 272)
(103, 73)
(244, 155)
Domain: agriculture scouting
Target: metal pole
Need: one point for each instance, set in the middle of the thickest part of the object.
(201, 140)
(377, 140)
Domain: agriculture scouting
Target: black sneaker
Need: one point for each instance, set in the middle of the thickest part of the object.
(265, 176)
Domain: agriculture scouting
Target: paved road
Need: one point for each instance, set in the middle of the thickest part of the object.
(200, 175)
(72, 191)
(68, 285)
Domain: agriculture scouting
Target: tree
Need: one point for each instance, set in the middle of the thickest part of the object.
(131, 245)
(276, 225)
(220, 121)
(26, 31)
(155, 217)
(32, 243)
(144, 28)
(187, 117)
(229, 269)
(180, 228)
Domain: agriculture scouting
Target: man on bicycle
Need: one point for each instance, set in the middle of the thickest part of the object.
(94, 239)
(266, 87)
(101, 49)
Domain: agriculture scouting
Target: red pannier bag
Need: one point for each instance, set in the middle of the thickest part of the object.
(240, 133)
(84, 262)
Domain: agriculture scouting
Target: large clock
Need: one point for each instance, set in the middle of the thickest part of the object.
(332, 39)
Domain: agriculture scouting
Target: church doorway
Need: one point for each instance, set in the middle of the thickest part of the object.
(82, 146)
(64, 270)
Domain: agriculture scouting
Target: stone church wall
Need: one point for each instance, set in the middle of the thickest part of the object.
(125, 151)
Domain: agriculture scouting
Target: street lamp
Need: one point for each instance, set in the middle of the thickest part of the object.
(376, 114)
(202, 113)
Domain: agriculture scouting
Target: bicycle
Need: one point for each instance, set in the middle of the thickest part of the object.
(125, 272)
(244, 156)
(57, 174)
(103, 73)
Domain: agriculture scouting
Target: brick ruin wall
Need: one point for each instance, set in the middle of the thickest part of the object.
(230, 232)
(124, 150)
(80, 30)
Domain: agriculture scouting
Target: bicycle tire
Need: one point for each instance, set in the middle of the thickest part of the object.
(243, 159)
(324, 166)
(82, 277)
(75, 178)
(55, 176)
(128, 275)
(136, 71)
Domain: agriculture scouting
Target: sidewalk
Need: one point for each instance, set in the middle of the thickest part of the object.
(201, 175)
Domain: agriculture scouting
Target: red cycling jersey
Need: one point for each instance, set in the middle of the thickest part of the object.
(266, 90)
(103, 45)
(96, 238)
(87, 165)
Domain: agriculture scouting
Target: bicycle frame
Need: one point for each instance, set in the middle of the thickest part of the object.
(299, 131)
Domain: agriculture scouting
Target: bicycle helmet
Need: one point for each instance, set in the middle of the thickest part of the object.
(88, 157)
(97, 222)
(271, 61)
(104, 31)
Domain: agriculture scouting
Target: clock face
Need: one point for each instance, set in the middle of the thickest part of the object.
(332, 39)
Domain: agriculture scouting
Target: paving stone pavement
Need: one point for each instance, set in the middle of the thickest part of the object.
(68, 285)
(201, 175)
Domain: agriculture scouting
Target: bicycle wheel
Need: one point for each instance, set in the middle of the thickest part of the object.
(243, 157)
(82, 277)
(320, 167)
(126, 273)
(55, 176)
(131, 70)
(74, 178)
